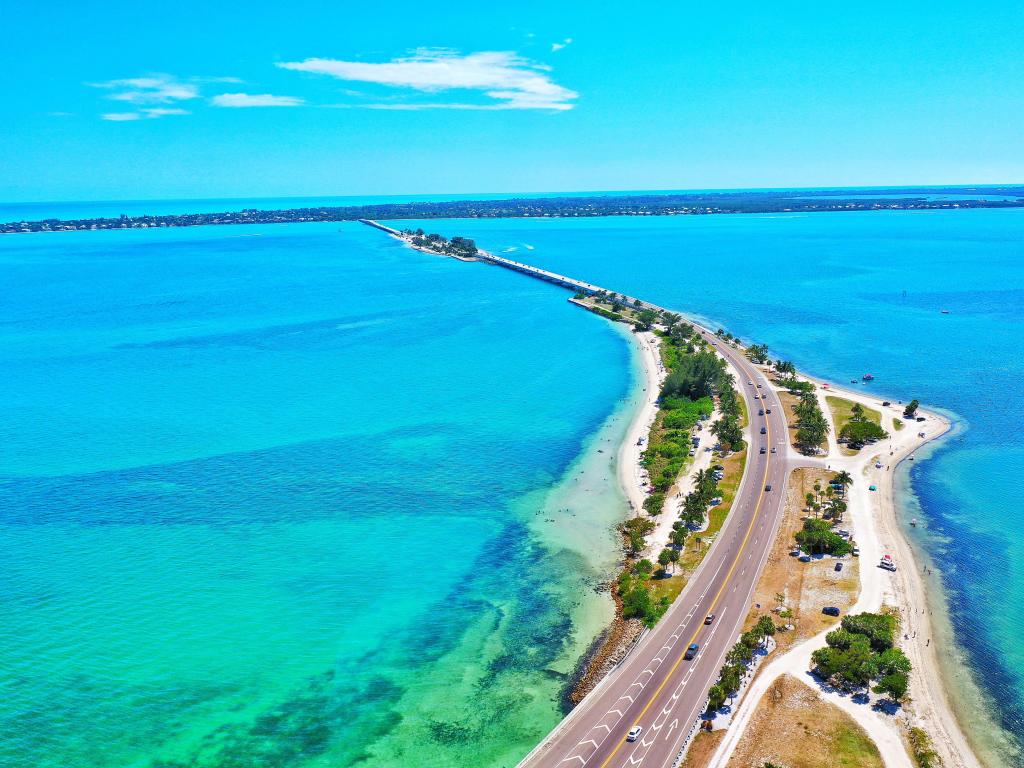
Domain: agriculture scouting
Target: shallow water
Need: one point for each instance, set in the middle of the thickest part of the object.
(282, 496)
(843, 294)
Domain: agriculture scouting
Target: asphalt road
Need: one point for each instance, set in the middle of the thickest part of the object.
(655, 687)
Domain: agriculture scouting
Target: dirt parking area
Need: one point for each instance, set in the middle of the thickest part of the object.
(796, 592)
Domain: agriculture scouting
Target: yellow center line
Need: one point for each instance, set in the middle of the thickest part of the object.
(725, 583)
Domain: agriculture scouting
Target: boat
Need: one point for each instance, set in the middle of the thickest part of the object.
(868, 377)
(945, 311)
(913, 522)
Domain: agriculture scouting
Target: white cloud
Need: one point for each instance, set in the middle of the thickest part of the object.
(510, 81)
(163, 111)
(152, 89)
(561, 45)
(255, 100)
(147, 113)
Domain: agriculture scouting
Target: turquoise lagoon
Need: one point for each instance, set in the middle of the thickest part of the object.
(294, 496)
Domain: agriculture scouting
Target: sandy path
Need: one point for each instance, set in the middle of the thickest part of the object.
(873, 521)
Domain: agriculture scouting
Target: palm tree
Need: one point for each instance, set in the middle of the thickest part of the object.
(844, 478)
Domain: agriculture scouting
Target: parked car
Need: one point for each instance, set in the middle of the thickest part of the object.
(634, 733)
(795, 553)
(839, 566)
(830, 610)
(805, 558)
(691, 651)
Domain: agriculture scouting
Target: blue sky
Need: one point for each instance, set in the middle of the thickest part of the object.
(261, 99)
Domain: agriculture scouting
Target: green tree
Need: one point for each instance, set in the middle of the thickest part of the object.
(716, 697)
(758, 353)
(645, 319)
(911, 410)
(665, 558)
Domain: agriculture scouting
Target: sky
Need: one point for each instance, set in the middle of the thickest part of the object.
(130, 101)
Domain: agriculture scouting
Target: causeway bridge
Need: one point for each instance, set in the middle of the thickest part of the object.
(570, 283)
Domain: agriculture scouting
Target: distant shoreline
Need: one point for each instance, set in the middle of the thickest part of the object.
(585, 206)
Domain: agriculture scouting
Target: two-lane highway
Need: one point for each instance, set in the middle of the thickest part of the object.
(657, 687)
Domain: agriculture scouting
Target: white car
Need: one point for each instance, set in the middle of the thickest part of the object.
(634, 733)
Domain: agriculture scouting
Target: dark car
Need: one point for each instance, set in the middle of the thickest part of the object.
(767, 410)
(709, 618)
(768, 487)
(773, 449)
(762, 449)
(830, 611)
(692, 651)
(760, 412)
(764, 431)
(839, 566)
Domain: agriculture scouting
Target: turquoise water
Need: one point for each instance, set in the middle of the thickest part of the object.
(309, 498)
(827, 291)
(294, 496)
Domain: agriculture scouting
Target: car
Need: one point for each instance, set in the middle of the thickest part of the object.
(805, 558)
(768, 487)
(760, 412)
(886, 403)
(773, 449)
(691, 651)
(856, 552)
(795, 553)
(764, 430)
(758, 386)
(762, 449)
(830, 610)
(750, 382)
(839, 566)
(767, 410)
(634, 733)
(709, 618)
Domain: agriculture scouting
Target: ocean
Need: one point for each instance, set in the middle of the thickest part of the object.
(295, 496)
(298, 496)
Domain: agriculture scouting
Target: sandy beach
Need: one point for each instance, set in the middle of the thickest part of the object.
(632, 476)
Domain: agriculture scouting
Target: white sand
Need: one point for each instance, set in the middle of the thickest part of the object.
(632, 476)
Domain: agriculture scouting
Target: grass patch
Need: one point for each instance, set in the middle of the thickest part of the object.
(694, 553)
(702, 748)
(842, 414)
(897, 424)
(794, 726)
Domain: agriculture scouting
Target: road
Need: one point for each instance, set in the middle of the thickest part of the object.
(655, 687)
